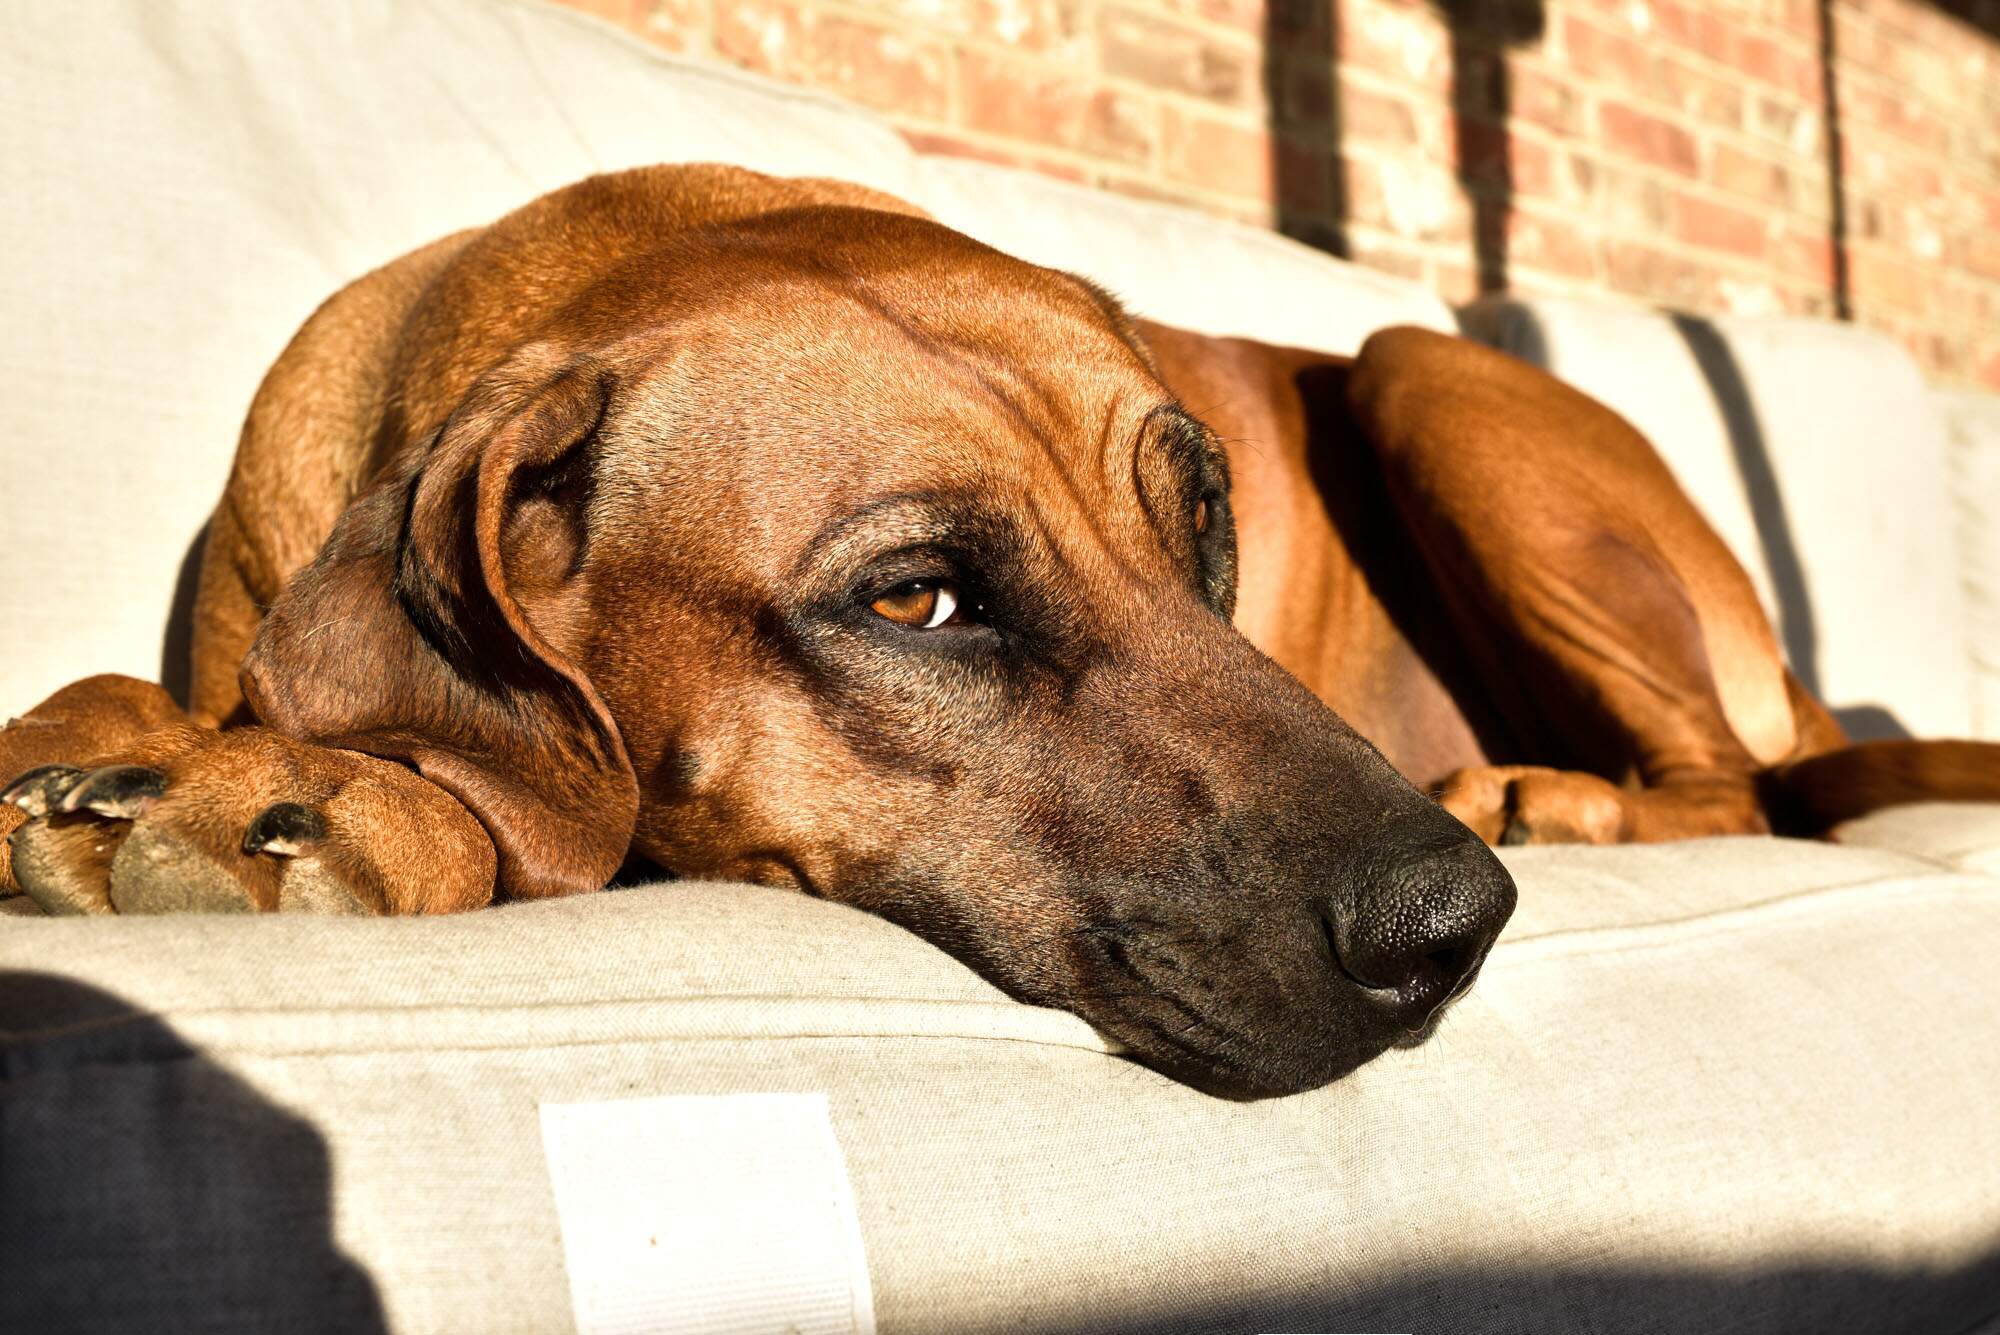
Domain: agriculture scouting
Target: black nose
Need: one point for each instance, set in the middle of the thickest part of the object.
(1422, 923)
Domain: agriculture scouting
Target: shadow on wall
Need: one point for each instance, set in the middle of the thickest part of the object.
(1302, 97)
(1482, 100)
(1836, 162)
(1584, 1300)
(144, 1188)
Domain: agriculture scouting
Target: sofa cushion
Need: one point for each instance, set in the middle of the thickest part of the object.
(1175, 265)
(1973, 423)
(1818, 455)
(1962, 835)
(1721, 1084)
(191, 177)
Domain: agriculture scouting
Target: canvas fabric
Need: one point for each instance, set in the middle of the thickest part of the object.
(1972, 420)
(1733, 1085)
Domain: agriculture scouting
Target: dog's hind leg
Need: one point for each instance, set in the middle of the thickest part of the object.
(1617, 637)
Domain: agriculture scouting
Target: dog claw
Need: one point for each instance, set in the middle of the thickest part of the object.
(40, 790)
(285, 829)
(122, 792)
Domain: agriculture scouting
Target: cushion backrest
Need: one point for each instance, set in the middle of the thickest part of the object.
(1175, 265)
(189, 178)
(1819, 455)
(1973, 423)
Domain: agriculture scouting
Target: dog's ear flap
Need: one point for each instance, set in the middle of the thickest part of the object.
(403, 638)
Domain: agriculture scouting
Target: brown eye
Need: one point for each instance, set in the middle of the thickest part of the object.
(926, 603)
(1201, 516)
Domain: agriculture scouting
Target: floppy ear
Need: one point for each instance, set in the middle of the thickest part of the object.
(403, 639)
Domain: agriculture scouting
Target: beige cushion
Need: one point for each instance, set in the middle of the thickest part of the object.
(1735, 1084)
(190, 178)
(1818, 455)
(1973, 421)
(1961, 835)
(1175, 265)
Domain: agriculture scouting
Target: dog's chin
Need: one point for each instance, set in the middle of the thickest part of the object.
(1275, 1071)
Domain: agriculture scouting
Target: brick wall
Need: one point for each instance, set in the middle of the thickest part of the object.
(1674, 151)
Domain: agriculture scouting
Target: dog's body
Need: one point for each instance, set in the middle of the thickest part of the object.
(772, 531)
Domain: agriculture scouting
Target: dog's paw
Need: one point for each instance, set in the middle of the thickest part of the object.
(88, 718)
(1528, 804)
(189, 820)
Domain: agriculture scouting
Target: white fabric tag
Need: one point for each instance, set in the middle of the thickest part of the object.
(707, 1213)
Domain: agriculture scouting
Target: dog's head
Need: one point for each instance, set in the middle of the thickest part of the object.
(829, 548)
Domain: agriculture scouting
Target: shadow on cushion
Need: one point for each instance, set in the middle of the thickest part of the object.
(142, 1187)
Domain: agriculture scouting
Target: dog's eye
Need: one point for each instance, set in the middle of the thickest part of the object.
(925, 603)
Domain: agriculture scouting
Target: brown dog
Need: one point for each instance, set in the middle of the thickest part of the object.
(772, 531)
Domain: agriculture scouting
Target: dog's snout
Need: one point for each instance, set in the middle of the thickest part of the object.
(1422, 925)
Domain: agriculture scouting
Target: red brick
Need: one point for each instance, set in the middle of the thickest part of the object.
(1633, 202)
(1694, 25)
(1249, 16)
(1863, 105)
(1026, 100)
(1760, 58)
(1982, 254)
(1700, 222)
(1881, 279)
(1753, 177)
(1028, 25)
(1788, 123)
(763, 35)
(1376, 118)
(1405, 42)
(1809, 255)
(878, 66)
(1544, 99)
(674, 25)
(947, 16)
(1216, 155)
(1556, 244)
(1412, 200)
(1648, 138)
(1161, 53)
(1611, 57)
(1642, 271)
(1704, 98)
(1989, 369)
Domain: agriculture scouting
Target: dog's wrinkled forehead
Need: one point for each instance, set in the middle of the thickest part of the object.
(849, 375)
